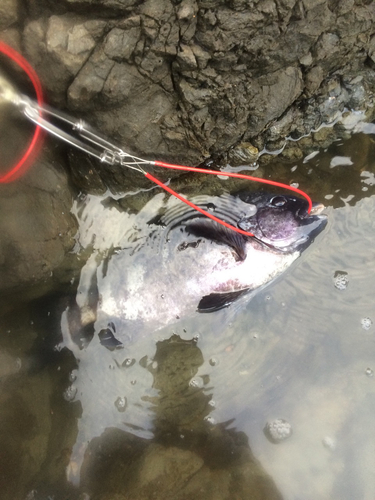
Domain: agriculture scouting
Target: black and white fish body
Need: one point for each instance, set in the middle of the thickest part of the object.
(199, 264)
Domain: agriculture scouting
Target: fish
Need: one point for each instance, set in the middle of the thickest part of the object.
(188, 263)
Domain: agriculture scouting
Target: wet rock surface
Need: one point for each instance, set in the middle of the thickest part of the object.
(30, 405)
(37, 232)
(175, 473)
(183, 81)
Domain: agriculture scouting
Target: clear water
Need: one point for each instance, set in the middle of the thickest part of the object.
(181, 413)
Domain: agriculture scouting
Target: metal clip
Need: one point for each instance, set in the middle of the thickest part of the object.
(73, 131)
(109, 157)
(85, 139)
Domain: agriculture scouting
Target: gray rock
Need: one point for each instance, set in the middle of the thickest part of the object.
(116, 5)
(313, 79)
(8, 13)
(184, 83)
(37, 231)
(119, 44)
(243, 154)
(59, 47)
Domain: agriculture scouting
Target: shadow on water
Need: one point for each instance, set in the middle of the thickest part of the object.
(182, 414)
(188, 456)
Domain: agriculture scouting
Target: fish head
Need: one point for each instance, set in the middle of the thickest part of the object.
(282, 222)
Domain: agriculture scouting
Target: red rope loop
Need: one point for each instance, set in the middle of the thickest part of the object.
(24, 163)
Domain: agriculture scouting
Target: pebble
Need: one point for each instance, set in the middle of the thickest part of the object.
(341, 280)
(277, 430)
(366, 323)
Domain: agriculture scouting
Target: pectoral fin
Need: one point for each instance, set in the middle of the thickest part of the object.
(216, 301)
(108, 340)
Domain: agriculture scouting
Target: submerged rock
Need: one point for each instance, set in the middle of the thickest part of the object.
(278, 430)
(189, 458)
(8, 13)
(37, 232)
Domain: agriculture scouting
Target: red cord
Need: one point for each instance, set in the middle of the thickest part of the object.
(24, 163)
(238, 176)
(192, 205)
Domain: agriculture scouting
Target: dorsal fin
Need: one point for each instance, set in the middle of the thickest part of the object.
(216, 301)
(220, 234)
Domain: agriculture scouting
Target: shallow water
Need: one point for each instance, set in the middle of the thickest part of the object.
(181, 413)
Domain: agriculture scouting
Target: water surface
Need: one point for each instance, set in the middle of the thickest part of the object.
(180, 412)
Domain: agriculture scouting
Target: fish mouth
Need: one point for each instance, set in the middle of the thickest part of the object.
(317, 209)
(313, 224)
(315, 213)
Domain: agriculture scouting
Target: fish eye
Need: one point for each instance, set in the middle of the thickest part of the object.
(278, 201)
